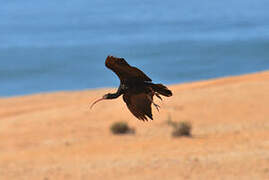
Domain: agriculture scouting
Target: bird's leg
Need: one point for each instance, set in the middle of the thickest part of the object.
(151, 98)
(156, 105)
(158, 95)
(155, 93)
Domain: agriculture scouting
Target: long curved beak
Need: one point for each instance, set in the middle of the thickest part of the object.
(98, 100)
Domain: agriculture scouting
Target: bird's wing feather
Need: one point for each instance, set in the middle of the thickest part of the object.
(124, 71)
(139, 105)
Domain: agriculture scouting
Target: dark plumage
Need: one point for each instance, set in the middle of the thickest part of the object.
(137, 88)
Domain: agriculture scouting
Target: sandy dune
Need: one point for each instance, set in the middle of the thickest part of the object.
(56, 136)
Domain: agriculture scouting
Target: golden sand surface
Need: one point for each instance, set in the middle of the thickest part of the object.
(56, 136)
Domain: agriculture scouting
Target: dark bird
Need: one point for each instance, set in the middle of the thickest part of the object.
(137, 88)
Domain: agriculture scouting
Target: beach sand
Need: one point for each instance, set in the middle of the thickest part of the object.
(56, 136)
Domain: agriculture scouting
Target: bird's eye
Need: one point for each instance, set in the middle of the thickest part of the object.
(121, 61)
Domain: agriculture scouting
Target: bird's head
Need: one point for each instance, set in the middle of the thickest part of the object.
(115, 63)
(105, 97)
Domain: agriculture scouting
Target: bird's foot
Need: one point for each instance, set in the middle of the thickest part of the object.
(156, 105)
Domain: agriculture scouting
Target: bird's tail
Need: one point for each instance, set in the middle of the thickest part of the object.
(161, 89)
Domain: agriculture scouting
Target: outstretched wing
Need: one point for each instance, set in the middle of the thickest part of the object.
(139, 105)
(124, 71)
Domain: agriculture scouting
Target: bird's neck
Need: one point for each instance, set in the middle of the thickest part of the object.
(113, 95)
(117, 94)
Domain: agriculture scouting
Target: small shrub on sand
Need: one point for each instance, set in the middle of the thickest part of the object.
(182, 129)
(121, 128)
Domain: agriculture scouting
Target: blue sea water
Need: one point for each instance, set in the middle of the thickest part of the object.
(62, 45)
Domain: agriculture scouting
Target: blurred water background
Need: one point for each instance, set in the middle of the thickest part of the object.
(62, 45)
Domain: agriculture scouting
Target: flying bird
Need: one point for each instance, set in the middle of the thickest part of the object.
(136, 87)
